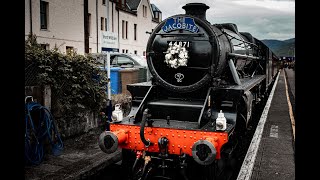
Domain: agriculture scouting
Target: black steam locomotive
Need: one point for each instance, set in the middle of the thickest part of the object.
(189, 121)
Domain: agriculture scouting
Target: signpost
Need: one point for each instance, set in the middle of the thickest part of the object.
(109, 41)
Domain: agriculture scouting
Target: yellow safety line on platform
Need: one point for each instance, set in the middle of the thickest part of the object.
(290, 107)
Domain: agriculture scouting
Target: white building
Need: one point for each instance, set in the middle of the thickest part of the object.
(92, 26)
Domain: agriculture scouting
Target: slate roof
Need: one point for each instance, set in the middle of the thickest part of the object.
(133, 4)
(154, 8)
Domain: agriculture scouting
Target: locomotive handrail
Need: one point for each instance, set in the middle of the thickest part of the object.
(234, 72)
(183, 34)
(239, 39)
(199, 68)
(204, 106)
(242, 56)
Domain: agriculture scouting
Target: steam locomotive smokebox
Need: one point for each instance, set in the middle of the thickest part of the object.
(128, 76)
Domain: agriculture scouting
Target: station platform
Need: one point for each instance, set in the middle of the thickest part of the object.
(271, 153)
(80, 159)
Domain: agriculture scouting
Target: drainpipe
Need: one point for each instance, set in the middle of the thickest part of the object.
(30, 16)
(86, 33)
(112, 16)
(108, 28)
(118, 31)
(97, 25)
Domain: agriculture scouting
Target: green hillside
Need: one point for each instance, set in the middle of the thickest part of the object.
(281, 48)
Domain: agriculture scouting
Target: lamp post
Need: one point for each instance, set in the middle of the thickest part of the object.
(294, 54)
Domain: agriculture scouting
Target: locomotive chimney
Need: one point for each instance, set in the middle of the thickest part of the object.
(196, 9)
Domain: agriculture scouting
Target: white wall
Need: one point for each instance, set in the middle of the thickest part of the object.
(102, 12)
(66, 25)
(143, 24)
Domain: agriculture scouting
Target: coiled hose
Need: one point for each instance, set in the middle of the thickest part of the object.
(40, 126)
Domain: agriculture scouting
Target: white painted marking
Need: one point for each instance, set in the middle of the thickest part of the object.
(274, 131)
(247, 165)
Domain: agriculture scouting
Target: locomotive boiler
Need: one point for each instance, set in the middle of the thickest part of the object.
(193, 115)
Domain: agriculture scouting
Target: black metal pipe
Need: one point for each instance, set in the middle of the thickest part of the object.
(234, 72)
(30, 5)
(118, 30)
(143, 122)
(86, 30)
(242, 56)
(97, 22)
(112, 17)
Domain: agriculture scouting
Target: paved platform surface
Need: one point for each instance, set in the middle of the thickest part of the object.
(80, 159)
(275, 157)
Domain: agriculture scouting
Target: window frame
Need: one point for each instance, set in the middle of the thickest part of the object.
(44, 15)
(102, 23)
(135, 27)
(71, 48)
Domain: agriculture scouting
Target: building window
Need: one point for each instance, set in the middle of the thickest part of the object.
(89, 24)
(123, 50)
(44, 6)
(135, 52)
(126, 50)
(69, 50)
(124, 29)
(45, 46)
(102, 23)
(135, 31)
(106, 24)
(144, 10)
(103, 2)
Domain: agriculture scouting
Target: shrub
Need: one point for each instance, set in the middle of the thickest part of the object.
(77, 83)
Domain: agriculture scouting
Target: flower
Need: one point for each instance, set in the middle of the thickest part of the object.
(176, 56)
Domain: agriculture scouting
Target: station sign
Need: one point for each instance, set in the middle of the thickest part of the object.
(109, 40)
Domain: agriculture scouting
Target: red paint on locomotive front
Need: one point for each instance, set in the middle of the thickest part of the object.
(180, 141)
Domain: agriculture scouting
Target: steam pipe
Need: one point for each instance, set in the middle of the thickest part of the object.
(143, 122)
(109, 141)
(242, 56)
(234, 72)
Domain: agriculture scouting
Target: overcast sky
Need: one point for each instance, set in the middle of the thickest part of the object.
(264, 19)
